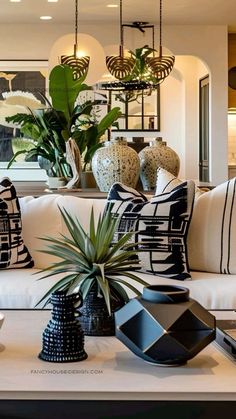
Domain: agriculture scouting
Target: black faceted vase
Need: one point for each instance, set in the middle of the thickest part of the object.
(63, 338)
(164, 326)
(94, 316)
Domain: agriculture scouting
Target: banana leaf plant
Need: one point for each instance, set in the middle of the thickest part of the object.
(50, 128)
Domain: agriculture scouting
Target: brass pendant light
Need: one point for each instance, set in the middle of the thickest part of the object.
(78, 64)
(119, 66)
(126, 71)
(162, 65)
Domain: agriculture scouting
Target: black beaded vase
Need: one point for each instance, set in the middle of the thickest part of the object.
(164, 326)
(63, 338)
(94, 316)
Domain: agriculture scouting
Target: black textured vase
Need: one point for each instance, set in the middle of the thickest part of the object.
(164, 326)
(94, 316)
(63, 338)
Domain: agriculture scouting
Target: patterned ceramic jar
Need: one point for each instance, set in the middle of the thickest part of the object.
(115, 162)
(157, 154)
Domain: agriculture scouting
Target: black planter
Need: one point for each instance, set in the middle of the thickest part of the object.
(94, 316)
(63, 338)
(164, 326)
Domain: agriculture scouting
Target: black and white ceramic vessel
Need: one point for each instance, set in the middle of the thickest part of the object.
(156, 155)
(115, 162)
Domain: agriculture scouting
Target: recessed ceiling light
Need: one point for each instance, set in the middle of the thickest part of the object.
(15, 1)
(112, 5)
(45, 17)
(52, 1)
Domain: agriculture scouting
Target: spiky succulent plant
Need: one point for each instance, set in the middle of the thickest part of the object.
(93, 258)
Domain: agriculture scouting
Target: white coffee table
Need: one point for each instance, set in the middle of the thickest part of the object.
(111, 372)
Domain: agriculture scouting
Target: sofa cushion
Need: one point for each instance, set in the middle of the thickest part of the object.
(160, 226)
(13, 252)
(41, 217)
(212, 233)
(25, 289)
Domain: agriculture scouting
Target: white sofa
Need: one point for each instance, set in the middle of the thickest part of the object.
(22, 288)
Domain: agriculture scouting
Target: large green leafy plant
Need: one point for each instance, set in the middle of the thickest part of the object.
(93, 258)
(50, 128)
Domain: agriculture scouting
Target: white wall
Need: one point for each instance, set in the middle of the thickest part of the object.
(172, 115)
(208, 43)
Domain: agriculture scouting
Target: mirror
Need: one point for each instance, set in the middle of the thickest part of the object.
(140, 112)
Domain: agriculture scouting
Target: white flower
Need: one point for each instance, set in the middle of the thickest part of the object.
(17, 102)
(10, 110)
(20, 98)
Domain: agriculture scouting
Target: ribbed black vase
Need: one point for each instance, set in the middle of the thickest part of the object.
(94, 316)
(63, 338)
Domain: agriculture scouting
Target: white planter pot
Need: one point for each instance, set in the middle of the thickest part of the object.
(56, 182)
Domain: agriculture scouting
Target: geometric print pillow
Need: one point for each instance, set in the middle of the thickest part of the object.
(212, 233)
(13, 252)
(160, 227)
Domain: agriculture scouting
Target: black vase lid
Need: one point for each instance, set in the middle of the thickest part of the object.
(165, 294)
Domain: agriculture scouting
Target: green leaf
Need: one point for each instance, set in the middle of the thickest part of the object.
(59, 285)
(77, 283)
(114, 285)
(86, 285)
(128, 285)
(13, 159)
(108, 120)
(64, 89)
(105, 291)
(92, 227)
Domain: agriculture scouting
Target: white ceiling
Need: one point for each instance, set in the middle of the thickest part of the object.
(175, 12)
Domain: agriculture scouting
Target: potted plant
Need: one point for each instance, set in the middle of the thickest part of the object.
(95, 266)
(63, 118)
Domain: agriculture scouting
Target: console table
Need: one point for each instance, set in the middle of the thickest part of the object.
(38, 188)
(111, 376)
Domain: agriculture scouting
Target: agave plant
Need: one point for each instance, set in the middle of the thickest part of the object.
(93, 258)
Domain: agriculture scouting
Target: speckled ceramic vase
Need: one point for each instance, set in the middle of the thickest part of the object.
(157, 154)
(115, 162)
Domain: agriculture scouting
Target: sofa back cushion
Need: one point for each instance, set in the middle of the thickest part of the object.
(13, 252)
(41, 217)
(212, 232)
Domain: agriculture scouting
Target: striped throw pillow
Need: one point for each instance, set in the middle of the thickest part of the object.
(212, 233)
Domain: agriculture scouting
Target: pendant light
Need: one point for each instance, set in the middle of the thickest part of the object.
(120, 66)
(78, 64)
(125, 70)
(162, 65)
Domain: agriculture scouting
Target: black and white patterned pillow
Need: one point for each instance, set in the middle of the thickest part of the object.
(13, 252)
(160, 225)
